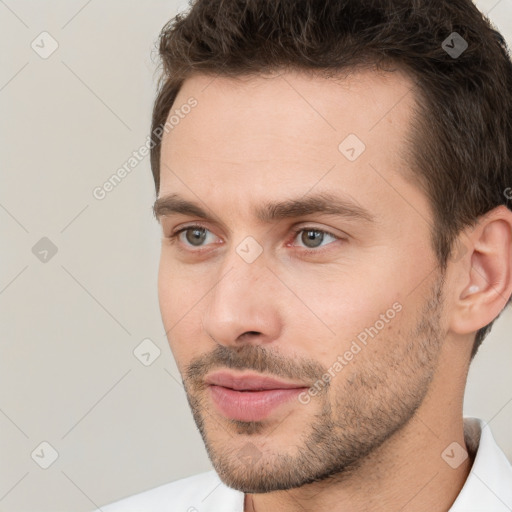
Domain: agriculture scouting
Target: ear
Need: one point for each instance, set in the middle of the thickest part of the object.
(484, 283)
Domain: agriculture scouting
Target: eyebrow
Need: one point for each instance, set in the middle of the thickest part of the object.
(268, 212)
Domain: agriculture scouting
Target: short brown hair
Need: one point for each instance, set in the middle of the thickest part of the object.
(460, 148)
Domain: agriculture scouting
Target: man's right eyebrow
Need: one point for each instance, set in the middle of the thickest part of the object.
(173, 204)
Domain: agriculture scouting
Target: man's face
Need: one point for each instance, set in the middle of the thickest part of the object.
(301, 351)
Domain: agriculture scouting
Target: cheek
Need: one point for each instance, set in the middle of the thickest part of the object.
(166, 295)
(347, 313)
(183, 295)
(184, 343)
(177, 312)
(175, 290)
(340, 304)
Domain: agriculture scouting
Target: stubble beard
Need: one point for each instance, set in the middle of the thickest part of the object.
(368, 408)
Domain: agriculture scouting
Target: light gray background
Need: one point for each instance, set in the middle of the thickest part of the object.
(68, 374)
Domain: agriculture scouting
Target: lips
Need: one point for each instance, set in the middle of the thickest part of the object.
(250, 397)
(249, 382)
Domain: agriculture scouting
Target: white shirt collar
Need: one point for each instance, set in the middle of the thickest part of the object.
(488, 487)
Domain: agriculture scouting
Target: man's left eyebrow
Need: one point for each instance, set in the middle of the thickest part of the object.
(268, 212)
(320, 203)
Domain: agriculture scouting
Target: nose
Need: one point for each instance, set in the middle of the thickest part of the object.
(245, 304)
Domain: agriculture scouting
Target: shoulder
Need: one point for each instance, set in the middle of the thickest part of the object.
(199, 493)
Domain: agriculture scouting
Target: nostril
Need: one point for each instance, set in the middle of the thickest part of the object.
(248, 334)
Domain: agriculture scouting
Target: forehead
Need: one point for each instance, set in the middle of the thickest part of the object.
(359, 100)
(269, 136)
(300, 111)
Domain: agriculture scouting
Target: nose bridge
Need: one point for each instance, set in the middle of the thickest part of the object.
(242, 300)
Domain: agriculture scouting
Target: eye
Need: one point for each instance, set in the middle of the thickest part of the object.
(194, 235)
(313, 237)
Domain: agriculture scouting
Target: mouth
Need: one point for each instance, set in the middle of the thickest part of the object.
(249, 396)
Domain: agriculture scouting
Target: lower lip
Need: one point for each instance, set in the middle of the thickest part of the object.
(250, 405)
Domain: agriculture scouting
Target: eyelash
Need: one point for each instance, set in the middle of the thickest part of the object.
(174, 236)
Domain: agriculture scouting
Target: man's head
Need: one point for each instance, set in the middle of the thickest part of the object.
(349, 232)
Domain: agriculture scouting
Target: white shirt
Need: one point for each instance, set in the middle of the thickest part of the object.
(488, 487)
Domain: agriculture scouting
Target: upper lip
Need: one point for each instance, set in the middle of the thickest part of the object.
(248, 382)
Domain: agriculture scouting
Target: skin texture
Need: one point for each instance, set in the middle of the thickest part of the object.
(372, 438)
